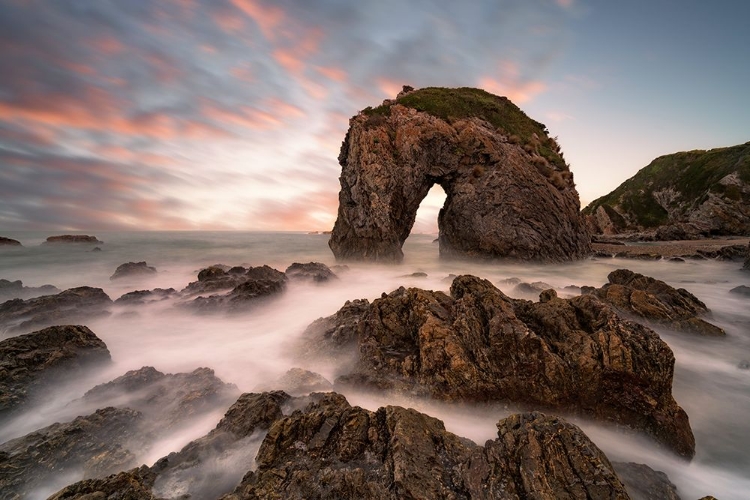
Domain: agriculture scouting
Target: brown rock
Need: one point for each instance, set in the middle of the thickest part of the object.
(575, 355)
(29, 362)
(141, 297)
(503, 198)
(16, 290)
(645, 483)
(297, 382)
(134, 484)
(311, 271)
(130, 269)
(652, 300)
(72, 305)
(9, 242)
(73, 238)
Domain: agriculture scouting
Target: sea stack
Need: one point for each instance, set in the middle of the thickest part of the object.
(510, 193)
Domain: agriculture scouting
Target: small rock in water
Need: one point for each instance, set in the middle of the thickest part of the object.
(418, 274)
(73, 238)
(9, 242)
(741, 290)
(298, 382)
(311, 271)
(140, 297)
(132, 269)
(744, 365)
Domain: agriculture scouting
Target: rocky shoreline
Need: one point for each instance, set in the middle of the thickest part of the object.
(578, 356)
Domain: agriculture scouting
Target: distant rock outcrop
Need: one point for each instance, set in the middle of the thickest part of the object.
(575, 355)
(16, 290)
(9, 242)
(29, 362)
(680, 196)
(653, 300)
(311, 271)
(73, 238)
(510, 194)
(74, 305)
(746, 266)
(140, 297)
(133, 269)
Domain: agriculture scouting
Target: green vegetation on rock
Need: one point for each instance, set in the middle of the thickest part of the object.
(459, 103)
(689, 177)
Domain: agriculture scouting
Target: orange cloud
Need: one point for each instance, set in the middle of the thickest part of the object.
(388, 87)
(312, 211)
(228, 21)
(332, 73)
(510, 83)
(267, 18)
(108, 45)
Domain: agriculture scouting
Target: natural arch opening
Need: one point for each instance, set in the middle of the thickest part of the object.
(426, 220)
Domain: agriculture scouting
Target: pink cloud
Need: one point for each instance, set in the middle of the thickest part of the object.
(510, 83)
(332, 73)
(267, 18)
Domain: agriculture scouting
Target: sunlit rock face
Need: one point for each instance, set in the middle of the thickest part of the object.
(509, 193)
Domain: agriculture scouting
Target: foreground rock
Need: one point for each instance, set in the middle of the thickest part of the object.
(644, 483)
(332, 450)
(575, 355)
(510, 193)
(71, 306)
(653, 300)
(29, 362)
(73, 238)
(141, 297)
(328, 449)
(9, 242)
(218, 277)
(312, 271)
(16, 290)
(89, 446)
(130, 269)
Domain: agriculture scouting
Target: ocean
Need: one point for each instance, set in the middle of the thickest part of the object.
(251, 350)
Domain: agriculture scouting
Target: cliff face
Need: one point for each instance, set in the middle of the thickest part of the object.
(509, 191)
(681, 196)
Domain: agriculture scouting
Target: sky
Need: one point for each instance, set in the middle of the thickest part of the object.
(229, 114)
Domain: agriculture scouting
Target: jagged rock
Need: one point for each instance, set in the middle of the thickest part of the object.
(141, 297)
(242, 298)
(169, 400)
(218, 277)
(29, 362)
(9, 242)
(333, 450)
(71, 306)
(312, 271)
(726, 253)
(133, 269)
(509, 192)
(336, 336)
(90, 446)
(477, 344)
(16, 290)
(741, 290)
(73, 238)
(298, 382)
(193, 471)
(134, 484)
(653, 300)
(534, 288)
(644, 483)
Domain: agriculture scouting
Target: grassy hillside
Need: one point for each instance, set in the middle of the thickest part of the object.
(691, 174)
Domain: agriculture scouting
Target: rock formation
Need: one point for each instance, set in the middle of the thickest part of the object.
(29, 362)
(741, 290)
(71, 306)
(644, 483)
(16, 290)
(133, 269)
(218, 277)
(140, 297)
(312, 271)
(509, 192)
(746, 266)
(685, 195)
(73, 238)
(9, 242)
(477, 344)
(654, 301)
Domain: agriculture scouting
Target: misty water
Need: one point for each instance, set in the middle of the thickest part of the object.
(253, 349)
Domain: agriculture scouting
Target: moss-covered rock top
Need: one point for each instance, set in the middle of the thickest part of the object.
(459, 103)
(689, 178)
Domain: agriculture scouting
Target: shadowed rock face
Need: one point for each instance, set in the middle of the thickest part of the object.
(644, 483)
(477, 344)
(503, 199)
(72, 238)
(28, 362)
(9, 242)
(133, 269)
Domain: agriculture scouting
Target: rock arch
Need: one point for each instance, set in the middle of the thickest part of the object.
(508, 194)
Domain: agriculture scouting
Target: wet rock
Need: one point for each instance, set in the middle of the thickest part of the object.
(312, 271)
(644, 483)
(504, 199)
(725, 253)
(336, 333)
(638, 256)
(29, 362)
(575, 355)
(746, 265)
(741, 290)
(96, 249)
(245, 296)
(547, 295)
(16, 290)
(134, 484)
(601, 254)
(744, 365)
(72, 238)
(167, 400)
(649, 299)
(71, 306)
(417, 274)
(534, 288)
(676, 259)
(130, 269)
(90, 446)
(9, 242)
(141, 297)
(218, 277)
(298, 382)
(333, 450)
